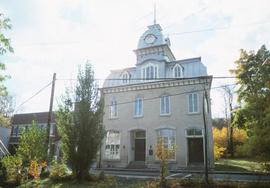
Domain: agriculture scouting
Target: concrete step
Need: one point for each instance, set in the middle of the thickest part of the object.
(137, 165)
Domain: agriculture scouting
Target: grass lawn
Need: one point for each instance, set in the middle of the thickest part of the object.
(242, 165)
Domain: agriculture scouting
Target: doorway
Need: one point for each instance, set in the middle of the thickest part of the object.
(195, 151)
(139, 145)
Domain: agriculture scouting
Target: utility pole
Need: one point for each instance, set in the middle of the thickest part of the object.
(205, 137)
(49, 141)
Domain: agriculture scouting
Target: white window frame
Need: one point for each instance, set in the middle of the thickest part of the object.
(194, 129)
(163, 101)
(113, 109)
(150, 72)
(112, 150)
(174, 134)
(137, 111)
(125, 78)
(178, 71)
(190, 101)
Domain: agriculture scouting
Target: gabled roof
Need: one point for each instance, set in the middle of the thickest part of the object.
(40, 117)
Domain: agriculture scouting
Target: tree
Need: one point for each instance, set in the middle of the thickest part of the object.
(227, 92)
(32, 147)
(163, 154)
(81, 130)
(6, 109)
(4, 47)
(253, 76)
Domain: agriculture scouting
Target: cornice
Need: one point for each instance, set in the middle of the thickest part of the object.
(158, 84)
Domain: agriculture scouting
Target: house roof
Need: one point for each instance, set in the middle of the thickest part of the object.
(40, 117)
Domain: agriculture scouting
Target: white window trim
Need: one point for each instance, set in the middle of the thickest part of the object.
(174, 130)
(194, 136)
(144, 74)
(198, 103)
(134, 114)
(127, 79)
(111, 116)
(181, 71)
(160, 106)
(105, 156)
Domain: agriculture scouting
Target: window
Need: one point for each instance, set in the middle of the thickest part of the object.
(150, 72)
(112, 147)
(113, 109)
(193, 103)
(138, 109)
(125, 78)
(194, 132)
(168, 137)
(165, 105)
(178, 71)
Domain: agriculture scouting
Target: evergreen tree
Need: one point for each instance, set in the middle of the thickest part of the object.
(253, 76)
(81, 129)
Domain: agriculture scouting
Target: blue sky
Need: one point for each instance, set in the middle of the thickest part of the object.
(58, 35)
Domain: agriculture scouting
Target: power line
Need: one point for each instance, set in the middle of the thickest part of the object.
(39, 91)
(177, 94)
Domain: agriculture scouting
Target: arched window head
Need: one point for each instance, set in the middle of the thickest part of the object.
(150, 72)
(178, 71)
(125, 78)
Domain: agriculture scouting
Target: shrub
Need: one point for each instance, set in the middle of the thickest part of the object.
(218, 151)
(13, 167)
(58, 171)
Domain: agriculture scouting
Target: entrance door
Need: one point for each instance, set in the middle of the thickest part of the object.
(139, 149)
(195, 150)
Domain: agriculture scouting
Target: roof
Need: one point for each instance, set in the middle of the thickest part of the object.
(40, 117)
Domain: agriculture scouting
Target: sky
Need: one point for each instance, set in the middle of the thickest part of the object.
(58, 35)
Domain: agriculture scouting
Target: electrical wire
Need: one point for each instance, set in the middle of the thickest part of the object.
(176, 94)
(39, 91)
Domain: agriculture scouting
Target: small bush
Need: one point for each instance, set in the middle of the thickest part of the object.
(13, 167)
(58, 171)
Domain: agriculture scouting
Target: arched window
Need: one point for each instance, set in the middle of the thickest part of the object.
(177, 71)
(125, 78)
(169, 140)
(150, 72)
(112, 145)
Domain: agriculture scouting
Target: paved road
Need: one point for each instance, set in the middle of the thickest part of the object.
(214, 175)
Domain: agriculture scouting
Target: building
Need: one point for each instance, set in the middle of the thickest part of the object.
(21, 122)
(160, 97)
(4, 138)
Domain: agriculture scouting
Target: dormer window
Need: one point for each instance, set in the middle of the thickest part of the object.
(150, 72)
(178, 71)
(125, 78)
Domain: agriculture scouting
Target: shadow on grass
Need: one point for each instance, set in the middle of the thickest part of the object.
(223, 167)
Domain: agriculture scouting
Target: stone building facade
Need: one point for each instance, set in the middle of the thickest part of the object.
(160, 97)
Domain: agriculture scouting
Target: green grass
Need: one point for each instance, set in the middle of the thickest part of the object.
(108, 182)
(242, 165)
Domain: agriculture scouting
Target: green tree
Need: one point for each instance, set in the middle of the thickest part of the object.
(81, 130)
(253, 76)
(32, 144)
(4, 47)
(6, 109)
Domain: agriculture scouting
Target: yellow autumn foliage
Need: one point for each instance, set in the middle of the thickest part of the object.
(220, 137)
(35, 168)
